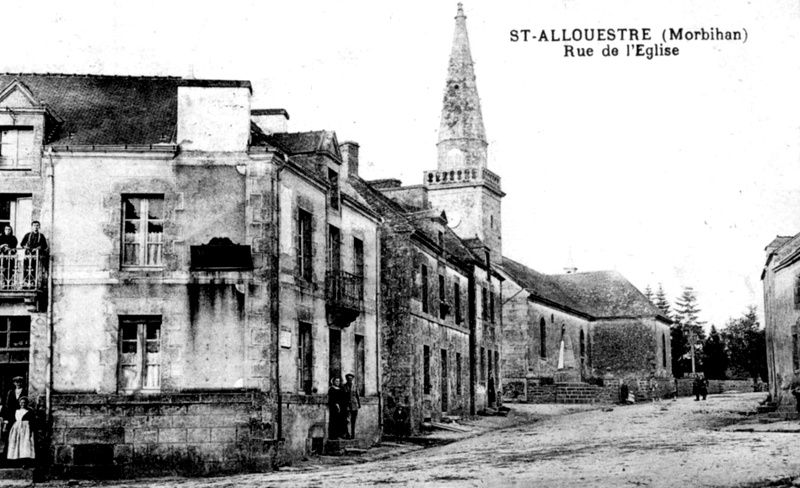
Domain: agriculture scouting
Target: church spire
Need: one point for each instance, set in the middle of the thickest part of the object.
(462, 138)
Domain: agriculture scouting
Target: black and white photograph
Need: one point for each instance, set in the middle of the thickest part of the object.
(416, 244)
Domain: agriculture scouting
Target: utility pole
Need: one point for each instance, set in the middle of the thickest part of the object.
(692, 340)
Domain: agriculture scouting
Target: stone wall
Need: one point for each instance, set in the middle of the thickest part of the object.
(187, 434)
(720, 386)
(572, 393)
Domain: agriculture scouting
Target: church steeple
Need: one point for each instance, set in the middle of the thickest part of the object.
(462, 138)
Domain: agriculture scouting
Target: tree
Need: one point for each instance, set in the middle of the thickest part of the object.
(746, 345)
(662, 303)
(687, 331)
(715, 356)
(648, 292)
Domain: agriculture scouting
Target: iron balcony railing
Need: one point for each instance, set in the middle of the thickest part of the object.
(344, 290)
(21, 270)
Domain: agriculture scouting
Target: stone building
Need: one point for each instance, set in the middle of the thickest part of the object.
(208, 273)
(441, 293)
(592, 327)
(781, 281)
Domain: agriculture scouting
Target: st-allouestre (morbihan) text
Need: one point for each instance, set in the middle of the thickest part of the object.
(628, 41)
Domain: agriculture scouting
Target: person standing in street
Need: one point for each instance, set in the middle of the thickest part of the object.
(337, 403)
(353, 403)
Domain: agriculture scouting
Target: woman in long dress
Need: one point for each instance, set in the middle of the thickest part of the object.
(337, 404)
(20, 438)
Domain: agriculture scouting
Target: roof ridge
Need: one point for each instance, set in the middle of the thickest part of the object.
(92, 75)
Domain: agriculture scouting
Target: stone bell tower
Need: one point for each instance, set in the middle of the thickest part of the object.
(462, 185)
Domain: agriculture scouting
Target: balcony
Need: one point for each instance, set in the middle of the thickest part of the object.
(22, 273)
(344, 297)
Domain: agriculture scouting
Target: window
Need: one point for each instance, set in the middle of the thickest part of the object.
(443, 306)
(490, 363)
(795, 350)
(543, 338)
(334, 354)
(491, 307)
(358, 257)
(444, 383)
(483, 366)
(143, 223)
(16, 147)
(305, 351)
(458, 373)
(663, 350)
(304, 243)
(361, 361)
(333, 181)
(484, 305)
(583, 348)
(441, 239)
(797, 292)
(140, 354)
(334, 249)
(457, 302)
(424, 272)
(16, 212)
(496, 369)
(426, 369)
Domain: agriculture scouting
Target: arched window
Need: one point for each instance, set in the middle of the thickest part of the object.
(543, 338)
(663, 350)
(583, 346)
(583, 352)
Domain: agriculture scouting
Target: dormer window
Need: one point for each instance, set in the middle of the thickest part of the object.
(16, 147)
(333, 181)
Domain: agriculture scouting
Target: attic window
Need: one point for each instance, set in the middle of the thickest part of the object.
(441, 240)
(16, 147)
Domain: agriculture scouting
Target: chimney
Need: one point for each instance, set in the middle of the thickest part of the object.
(349, 150)
(271, 120)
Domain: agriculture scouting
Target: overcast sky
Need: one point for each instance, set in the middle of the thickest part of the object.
(676, 170)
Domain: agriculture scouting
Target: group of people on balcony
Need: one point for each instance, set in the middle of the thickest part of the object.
(343, 403)
(33, 244)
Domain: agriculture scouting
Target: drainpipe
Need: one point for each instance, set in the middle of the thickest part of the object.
(276, 307)
(49, 340)
(471, 297)
(378, 329)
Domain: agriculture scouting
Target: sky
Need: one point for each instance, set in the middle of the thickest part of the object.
(676, 170)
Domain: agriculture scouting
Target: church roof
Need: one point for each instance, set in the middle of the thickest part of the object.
(598, 294)
(539, 285)
(102, 110)
(606, 294)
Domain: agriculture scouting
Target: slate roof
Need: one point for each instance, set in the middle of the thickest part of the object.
(539, 284)
(401, 218)
(295, 143)
(606, 294)
(599, 294)
(101, 110)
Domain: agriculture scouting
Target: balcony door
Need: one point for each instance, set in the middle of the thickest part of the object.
(16, 212)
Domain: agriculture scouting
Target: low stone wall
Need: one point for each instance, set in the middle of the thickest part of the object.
(721, 386)
(581, 393)
(113, 436)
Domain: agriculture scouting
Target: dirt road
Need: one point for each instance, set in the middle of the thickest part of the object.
(672, 444)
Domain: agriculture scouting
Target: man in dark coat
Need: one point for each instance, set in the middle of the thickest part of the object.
(34, 244)
(34, 240)
(353, 403)
(12, 398)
